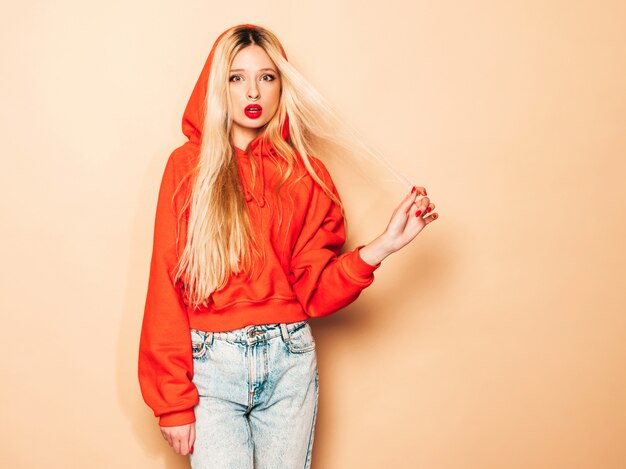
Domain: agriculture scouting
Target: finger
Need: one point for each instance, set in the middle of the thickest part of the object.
(431, 218)
(423, 203)
(421, 208)
(419, 190)
(405, 205)
(184, 445)
(416, 210)
(167, 437)
(192, 437)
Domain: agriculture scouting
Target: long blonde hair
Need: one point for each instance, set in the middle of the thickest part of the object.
(219, 233)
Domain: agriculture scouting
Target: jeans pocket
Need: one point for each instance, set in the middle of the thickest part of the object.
(301, 340)
(200, 343)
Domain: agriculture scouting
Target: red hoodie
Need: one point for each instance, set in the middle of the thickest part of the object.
(304, 275)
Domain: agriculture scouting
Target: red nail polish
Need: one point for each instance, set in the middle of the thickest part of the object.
(429, 209)
(425, 192)
(191, 451)
(413, 190)
(417, 214)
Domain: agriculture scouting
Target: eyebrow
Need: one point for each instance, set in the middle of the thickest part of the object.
(260, 70)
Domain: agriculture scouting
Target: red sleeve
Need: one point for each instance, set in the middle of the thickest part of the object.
(324, 280)
(165, 357)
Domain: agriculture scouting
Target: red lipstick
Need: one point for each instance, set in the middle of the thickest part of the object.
(253, 111)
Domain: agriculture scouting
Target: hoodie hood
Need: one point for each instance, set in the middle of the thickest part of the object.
(193, 121)
(193, 118)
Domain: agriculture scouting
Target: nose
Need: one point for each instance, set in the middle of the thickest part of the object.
(253, 92)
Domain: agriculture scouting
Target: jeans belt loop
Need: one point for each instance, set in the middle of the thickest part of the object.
(284, 332)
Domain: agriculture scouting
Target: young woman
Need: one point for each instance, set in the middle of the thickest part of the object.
(248, 230)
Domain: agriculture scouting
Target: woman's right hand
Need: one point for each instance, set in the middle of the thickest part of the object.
(180, 437)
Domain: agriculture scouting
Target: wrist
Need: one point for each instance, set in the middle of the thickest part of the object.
(374, 252)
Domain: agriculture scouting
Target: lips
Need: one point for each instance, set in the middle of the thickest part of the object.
(253, 111)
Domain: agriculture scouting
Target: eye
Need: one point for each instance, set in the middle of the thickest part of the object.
(233, 78)
(269, 76)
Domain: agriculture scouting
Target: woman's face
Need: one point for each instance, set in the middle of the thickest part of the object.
(254, 93)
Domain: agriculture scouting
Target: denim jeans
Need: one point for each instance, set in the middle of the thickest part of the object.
(258, 388)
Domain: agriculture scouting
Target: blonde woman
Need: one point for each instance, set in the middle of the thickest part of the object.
(248, 232)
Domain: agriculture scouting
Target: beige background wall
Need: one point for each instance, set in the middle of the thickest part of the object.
(495, 340)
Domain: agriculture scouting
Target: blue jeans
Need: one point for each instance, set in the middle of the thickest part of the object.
(258, 388)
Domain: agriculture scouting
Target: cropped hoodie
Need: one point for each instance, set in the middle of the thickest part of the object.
(303, 274)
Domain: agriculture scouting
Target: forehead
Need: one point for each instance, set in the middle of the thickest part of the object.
(252, 58)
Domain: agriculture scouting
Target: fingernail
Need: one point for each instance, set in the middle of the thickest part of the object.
(417, 214)
(428, 209)
(413, 190)
(435, 216)
(425, 192)
(191, 451)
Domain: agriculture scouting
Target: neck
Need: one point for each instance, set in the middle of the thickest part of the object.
(242, 137)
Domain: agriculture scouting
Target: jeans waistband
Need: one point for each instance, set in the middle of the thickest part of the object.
(251, 334)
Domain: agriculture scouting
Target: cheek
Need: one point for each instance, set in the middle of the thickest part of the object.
(235, 94)
(276, 97)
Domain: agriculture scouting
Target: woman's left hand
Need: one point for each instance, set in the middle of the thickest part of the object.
(407, 220)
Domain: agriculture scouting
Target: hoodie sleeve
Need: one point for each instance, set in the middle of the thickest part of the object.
(165, 356)
(324, 280)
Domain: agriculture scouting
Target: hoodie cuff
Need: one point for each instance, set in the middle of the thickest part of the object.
(174, 419)
(358, 268)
